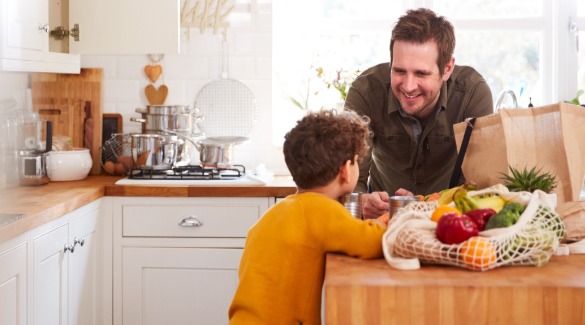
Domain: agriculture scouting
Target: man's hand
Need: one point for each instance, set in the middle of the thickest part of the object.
(403, 192)
(374, 204)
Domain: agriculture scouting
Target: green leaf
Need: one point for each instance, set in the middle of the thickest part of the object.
(296, 103)
(576, 99)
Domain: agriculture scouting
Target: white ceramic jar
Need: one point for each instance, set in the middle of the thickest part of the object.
(70, 165)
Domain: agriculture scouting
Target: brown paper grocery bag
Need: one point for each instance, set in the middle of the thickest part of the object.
(549, 137)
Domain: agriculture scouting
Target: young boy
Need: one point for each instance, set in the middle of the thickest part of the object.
(282, 268)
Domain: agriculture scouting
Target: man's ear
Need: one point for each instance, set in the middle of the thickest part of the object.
(448, 69)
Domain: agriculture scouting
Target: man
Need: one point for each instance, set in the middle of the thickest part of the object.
(413, 103)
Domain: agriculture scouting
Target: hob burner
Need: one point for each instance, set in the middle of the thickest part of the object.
(190, 173)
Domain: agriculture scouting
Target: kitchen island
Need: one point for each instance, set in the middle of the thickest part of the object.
(371, 292)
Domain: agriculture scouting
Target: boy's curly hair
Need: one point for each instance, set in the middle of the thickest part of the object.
(320, 143)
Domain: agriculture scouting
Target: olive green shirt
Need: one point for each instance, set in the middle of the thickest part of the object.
(405, 152)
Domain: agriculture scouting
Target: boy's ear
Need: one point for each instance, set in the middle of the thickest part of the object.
(344, 172)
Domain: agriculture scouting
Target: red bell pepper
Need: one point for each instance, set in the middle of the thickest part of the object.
(454, 229)
(480, 216)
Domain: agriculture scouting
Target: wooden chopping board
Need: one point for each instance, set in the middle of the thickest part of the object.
(73, 102)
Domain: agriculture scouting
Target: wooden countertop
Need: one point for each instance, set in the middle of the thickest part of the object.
(41, 204)
(371, 292)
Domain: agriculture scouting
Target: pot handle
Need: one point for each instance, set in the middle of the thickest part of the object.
(137, 119)
(184, 138)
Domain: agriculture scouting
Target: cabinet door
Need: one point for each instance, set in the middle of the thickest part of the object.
(83, 275)
(13, 285)
(50, 275)
(23, 22)
(125, 26)
(178, 285)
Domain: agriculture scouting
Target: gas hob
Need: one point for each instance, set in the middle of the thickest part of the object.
(234, 175)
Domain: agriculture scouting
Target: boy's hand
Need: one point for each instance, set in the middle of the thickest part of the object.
(374, 204)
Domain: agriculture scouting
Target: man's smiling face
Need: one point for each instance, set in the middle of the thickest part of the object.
(416, 79)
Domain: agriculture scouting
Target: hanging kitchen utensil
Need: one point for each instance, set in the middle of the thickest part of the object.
(229, 106)
(155, 95)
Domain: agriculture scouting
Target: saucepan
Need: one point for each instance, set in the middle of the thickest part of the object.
(215, 151)
(218, 151)
(155, 151)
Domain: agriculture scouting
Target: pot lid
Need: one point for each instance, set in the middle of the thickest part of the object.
(223, 140)
(166, 109)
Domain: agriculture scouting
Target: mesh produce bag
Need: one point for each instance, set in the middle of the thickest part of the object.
(410, 238)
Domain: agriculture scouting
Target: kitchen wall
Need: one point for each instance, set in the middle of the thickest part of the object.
(249, 43)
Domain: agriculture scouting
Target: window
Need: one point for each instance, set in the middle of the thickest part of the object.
(580, 39)
(525, 46)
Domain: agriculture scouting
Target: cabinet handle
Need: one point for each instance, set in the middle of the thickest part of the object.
(44, 28)
(65, 248)
(190, 221)
(78, 241)
(75, 242)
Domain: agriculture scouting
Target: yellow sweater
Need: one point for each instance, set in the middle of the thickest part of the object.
(282, 268)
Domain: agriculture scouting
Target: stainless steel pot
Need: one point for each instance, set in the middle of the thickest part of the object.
(215, 151)
(155, 151)
(218, 151)
(177, 118)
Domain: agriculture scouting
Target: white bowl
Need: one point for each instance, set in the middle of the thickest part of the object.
(70, 165)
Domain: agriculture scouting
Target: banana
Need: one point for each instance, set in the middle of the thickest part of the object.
(495, 202)
(463, 202)
(447, 195)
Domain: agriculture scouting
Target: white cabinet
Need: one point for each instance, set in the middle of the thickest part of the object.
(176, 259)
(105, 27)
(178, 285)
(13, 281)
(65, 269)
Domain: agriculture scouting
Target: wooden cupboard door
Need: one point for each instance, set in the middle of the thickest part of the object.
(178, 286)
(13, 286)
(50, 275)
(83, 275)
(131, 27)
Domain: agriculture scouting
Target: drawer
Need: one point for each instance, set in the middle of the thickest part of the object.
(188, 221)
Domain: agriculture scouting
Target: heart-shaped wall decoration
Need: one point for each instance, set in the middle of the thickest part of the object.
(156, 96)
(153, 72)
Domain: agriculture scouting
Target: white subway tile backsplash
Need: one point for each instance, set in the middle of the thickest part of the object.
(186, 67)
(197, 43)
(176, 95)
(122, 90)
(263, 67)
(248, 59)
(257, 43)
(107, 63)
(131, 67)
(263, 22)
(242, 67)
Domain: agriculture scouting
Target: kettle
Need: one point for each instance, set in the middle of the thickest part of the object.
(32, 168)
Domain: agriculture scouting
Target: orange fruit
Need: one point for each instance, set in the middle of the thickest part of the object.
(478, 253)
(441, 210)
(384, 218)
